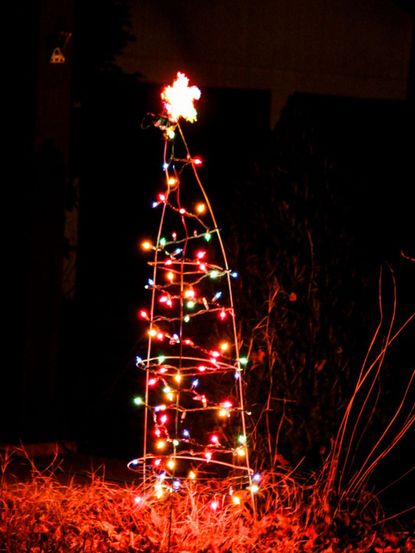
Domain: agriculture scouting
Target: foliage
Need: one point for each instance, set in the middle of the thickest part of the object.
(309, 255)
(292, 299)
(48, 511)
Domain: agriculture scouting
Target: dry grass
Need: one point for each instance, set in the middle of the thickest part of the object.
(328, 511)
(46, 512)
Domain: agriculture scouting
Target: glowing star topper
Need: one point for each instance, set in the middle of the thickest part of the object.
(178, 99)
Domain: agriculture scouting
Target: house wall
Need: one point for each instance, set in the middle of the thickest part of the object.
(357, 48)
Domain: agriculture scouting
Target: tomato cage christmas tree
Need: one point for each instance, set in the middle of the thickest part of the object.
(194, 413)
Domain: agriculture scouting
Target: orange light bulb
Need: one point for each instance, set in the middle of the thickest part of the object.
(224, 346)
(146, 245)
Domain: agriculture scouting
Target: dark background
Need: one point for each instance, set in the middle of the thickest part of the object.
(76, 149)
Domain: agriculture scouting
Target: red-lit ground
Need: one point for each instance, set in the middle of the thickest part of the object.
(45, 510)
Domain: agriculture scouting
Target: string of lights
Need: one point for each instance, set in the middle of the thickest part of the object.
(194, 412)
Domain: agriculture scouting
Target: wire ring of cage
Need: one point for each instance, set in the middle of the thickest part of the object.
(132, 465)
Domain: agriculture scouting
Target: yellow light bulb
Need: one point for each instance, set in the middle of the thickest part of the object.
(152, 332)
(161, 444)
(146, 245)
(192, 475)
(178, 378)
(159, 491)
(224, 346)
(241, 452)
(200, 208)
(236, 499)
(170, 276)
(171, 463)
